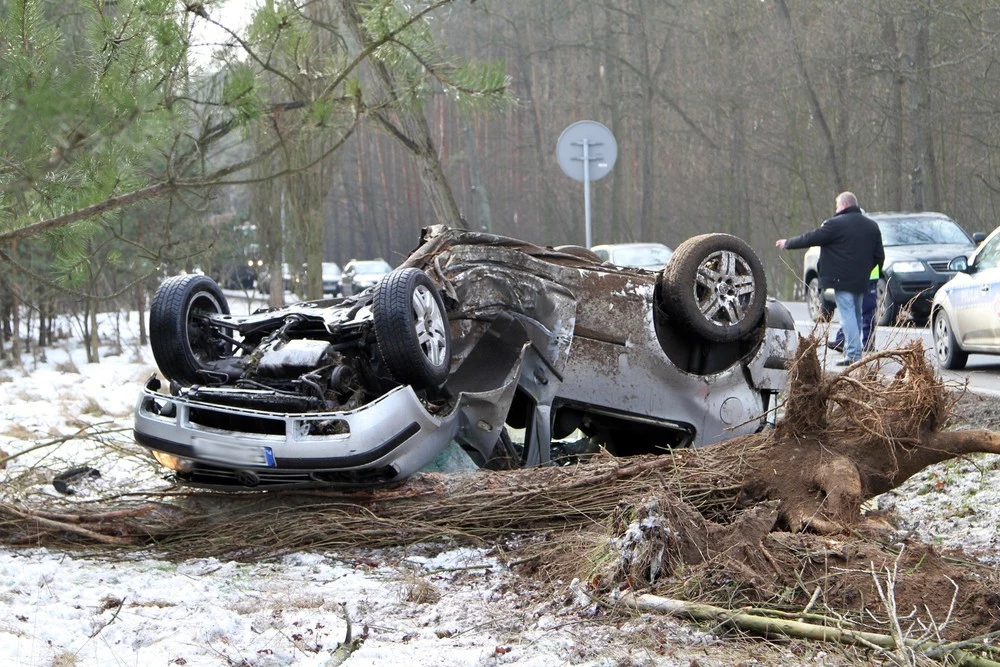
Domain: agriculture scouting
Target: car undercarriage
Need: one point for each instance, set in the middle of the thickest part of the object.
(522, 355)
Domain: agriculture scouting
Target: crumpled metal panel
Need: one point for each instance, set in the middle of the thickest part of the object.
(602, 318)
(483, 275)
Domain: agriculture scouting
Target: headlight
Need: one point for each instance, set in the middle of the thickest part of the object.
(175, 463)
(907, 267)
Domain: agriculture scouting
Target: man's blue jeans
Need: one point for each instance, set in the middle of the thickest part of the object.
(849, 305)
(868, 323)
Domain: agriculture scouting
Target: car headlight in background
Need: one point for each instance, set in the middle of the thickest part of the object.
(907, 267)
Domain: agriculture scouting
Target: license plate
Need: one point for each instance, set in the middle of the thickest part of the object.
(226, 452)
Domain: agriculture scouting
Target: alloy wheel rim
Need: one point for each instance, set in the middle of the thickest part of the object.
(941, 340)
(724, 287)
(430, 326)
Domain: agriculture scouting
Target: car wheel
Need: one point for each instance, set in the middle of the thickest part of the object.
(886, 310)
(411, 329)
(949, 354)
(715, 286)
(819, 309)
(184, 343)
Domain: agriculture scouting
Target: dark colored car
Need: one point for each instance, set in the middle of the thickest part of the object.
(918, 248)
(521, 354)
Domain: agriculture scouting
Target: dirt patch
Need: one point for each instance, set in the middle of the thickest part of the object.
(968, 410)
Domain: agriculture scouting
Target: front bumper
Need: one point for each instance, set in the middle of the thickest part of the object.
(916, 290)
(216, 445)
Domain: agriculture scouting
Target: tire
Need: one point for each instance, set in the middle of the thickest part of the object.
(715, 286)
(948, 352)
(184, 345)
(886, 310)
(819, 309)
(411, 329)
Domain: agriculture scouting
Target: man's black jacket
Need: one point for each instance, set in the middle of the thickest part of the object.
(850, 246)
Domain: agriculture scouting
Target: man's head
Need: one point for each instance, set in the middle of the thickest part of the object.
(846, 200)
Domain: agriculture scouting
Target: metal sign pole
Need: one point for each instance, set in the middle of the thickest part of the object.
(586, 143)
(586, 189)
(586, 133)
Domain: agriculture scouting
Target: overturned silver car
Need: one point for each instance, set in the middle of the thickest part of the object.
(522, 355)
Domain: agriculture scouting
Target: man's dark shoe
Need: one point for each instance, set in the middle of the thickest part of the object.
(835, 346)
(843, 362)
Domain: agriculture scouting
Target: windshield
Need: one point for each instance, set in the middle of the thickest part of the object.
(921, 231)
(372, 266)
(642, 256)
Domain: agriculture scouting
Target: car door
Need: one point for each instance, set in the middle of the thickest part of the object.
(977, 301)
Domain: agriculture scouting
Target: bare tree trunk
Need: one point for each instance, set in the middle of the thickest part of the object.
(93, 339)
(549, 211)
(387, 192)
(480, 193)
(894, 118)
(407, 125)
(15, 338)
(922, 176)
(364, 204)
(814, 103)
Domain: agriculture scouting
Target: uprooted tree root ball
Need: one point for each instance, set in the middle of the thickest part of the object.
(771, 520)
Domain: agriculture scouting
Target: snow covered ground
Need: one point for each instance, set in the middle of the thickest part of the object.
(417, 606)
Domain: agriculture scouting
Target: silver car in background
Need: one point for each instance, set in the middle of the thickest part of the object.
(650, 256)
(360, 274)
(965, 315)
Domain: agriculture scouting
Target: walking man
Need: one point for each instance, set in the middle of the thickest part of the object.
(850, 247)
(869, 318)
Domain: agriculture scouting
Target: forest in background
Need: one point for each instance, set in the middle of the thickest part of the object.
(338, 130)
(742, 117)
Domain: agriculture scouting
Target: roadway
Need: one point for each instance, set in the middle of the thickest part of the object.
(982, 372)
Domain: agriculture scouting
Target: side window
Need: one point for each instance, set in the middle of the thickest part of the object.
(989, 256)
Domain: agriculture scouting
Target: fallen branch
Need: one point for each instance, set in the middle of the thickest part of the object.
(770, 627)
(94, 431)
(101, 538)
(348, 646)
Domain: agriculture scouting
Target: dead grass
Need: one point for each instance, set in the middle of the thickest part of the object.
(65, 659)
(420, 591)
(20, 432)
(92, 407)
(67, 366)
(670, 524)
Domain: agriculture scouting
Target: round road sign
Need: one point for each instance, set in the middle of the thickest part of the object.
(591, 139)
